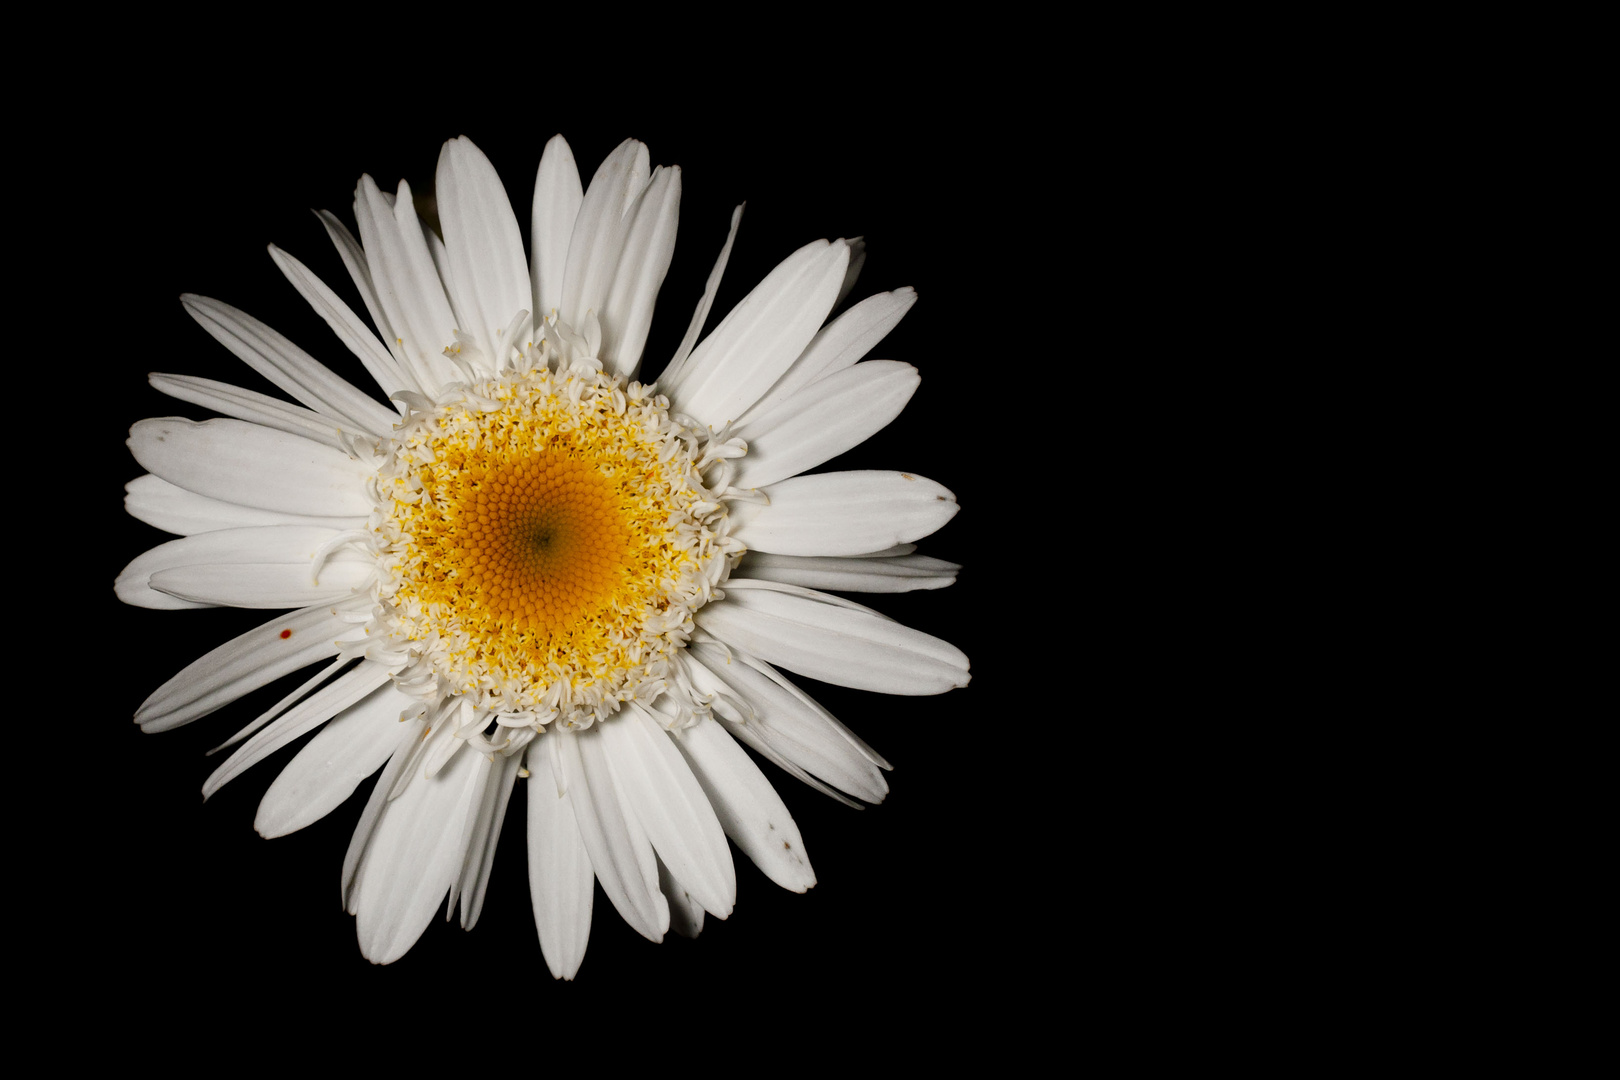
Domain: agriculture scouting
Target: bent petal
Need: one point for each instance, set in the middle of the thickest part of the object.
(271, 566)
(239, 462)
(175, 510)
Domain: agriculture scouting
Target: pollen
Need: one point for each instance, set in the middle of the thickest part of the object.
(543, 540)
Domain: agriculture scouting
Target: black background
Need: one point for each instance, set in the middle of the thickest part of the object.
(918, 897)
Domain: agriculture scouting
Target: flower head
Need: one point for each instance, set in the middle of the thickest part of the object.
(538, 567)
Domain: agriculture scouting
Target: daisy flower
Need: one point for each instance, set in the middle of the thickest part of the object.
(531, 565)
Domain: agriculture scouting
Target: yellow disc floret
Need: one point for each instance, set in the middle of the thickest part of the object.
(542, 542)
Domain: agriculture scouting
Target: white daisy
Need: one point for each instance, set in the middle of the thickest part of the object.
(536, 566)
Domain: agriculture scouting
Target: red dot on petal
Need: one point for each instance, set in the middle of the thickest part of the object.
(285, 634)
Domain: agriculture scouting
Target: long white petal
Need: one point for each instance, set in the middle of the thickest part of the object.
(648, 248)
(245, 463)
(785, 723)
(760, 337)
(331, 765)
(257, 658)
(229, 547)
(840, 343)
(823, 420)
(489, 276)
(600, 230)
(174, 509)
(557, 196)
(354, 260)
(406, 746)
(306, 379)
(252, 406)
(409, 290)
(620, 853)
(748, 807)
(835, 644)
(892, 575)
(344, 323)
(288, 700)
(486, 837)
(264, 567)
(317, 709)
(671, 807)
(700, 314)
(561, 881)
(415, 854)
(843, 513)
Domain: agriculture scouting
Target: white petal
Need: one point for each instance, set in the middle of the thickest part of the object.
(843, 513)
(671, 807)
(620, 853)
(857, 259)
(489, 276)
(243, 664)
(251, 406)
(840, 343)
(648, 248)
(306, 716)
(406, 747)
(761, 336)
(291, 698)
(785, 723)
(331, 765)
(748, 807)
(415, 853)
(701, 314)
(557, 195)
(245, 463)
(409, 291)
(344, 322)
(889, 575)
(174, 509)
(134, 583)
(823, 420)
(486, 837)
(265, 567)
(354, 260)
(685, 913)
(306, 379)
(600, 230)
(835, 644)
(561, 881)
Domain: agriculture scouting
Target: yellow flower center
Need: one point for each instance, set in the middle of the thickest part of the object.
(543, 541)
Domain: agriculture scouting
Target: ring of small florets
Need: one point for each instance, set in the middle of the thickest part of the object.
(542, 540)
